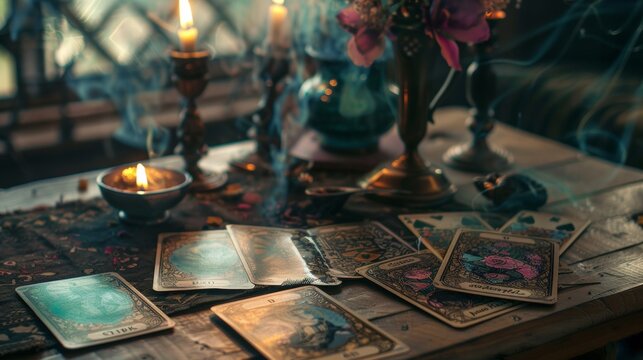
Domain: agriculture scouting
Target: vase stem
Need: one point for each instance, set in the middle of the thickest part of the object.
(427, 184)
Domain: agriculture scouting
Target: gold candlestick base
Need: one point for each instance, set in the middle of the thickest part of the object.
(419, 183)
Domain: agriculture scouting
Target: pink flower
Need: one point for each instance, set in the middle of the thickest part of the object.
(527, 271)
(449, 21)
(418, 274)
(368, 23)
(502, 262)
(418, 286)
(502, 244)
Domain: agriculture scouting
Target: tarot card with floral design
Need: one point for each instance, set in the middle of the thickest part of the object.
(436, 230)
(411, 278)
(305, 323)
(276, 256)
(563, 230)
(347, 247)
(92, 310)
(198, 260)
(501, 265)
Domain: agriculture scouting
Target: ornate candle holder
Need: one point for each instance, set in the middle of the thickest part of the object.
(478, 155)
(267, 136)
(190, 69)
(420, 183)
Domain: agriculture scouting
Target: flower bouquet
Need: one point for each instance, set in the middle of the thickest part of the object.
(414, 26)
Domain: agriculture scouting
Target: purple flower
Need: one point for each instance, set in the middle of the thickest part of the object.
(446, 21)
(368, 22)
(449, 21)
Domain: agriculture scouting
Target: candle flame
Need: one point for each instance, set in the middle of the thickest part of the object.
(495, 15)
(278, 2)
(141, 177)
(185, 14)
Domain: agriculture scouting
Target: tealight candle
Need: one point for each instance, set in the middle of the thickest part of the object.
(188, 34)
(143, 194)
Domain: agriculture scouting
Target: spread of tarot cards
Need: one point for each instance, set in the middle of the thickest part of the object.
(92, 310)
(305, 323)
(245, 256)
(468, 274)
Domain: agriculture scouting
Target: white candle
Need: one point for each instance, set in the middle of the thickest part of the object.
(279, 32)
(188, 34)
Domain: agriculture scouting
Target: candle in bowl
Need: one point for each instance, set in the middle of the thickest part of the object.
(188, 34)
(143, 195)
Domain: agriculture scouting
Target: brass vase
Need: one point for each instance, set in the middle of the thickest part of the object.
(409, 179)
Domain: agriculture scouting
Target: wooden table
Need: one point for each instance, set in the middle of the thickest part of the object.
(609, 254)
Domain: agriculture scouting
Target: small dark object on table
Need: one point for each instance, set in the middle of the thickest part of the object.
(512, 192)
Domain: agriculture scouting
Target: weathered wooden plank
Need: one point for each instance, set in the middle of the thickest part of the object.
(588, 175)
(620, 201)
(604, 236)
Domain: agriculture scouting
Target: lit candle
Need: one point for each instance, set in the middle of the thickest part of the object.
(278, 33)
(188, 34)
(141, 177)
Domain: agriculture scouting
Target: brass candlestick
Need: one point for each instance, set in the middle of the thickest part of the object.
(478, 155)
(419, 182)
(190, 69)
(267, 136)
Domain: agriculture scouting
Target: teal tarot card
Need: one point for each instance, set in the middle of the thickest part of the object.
(93, 309)
(198, 260)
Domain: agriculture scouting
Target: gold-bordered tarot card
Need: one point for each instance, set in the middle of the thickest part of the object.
(94, 309)
(305, 323)
(501, 265)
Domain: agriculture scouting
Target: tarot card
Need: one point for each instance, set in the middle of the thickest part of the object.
(198, 260)
(305, 323)
(501, 265)
(95, 309)
(560, 229)
(411, 278)
(436, 230)
(349, 246)
(273, 256)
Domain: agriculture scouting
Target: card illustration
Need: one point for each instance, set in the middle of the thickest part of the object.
(93, 309)
(305, 323)
(198, 260)
(501, 265)
(349, 246)
(411, 278)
